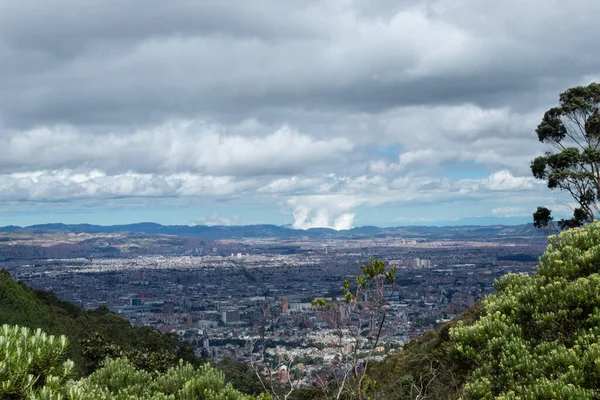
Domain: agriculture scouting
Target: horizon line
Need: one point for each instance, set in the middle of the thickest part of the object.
(285, 226)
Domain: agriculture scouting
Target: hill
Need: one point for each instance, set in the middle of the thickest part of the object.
(427, 367)
(537, 337)
(34, 366)
(283, 232)
(24, 306)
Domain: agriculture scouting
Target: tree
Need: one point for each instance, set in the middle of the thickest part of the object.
(573, 164)
(119, 379)
(274, 368)
(33, 367)
(539, 336)
(96, 349)
(360, 321)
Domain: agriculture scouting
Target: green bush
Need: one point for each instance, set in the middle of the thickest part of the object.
(30, 361)
(33, 367)
(539, 336)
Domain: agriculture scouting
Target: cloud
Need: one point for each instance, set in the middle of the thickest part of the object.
(233, 61)
(510, 212)
(67, 185)
(505, 181)
(321, 201)
(306, 218)
(323, 211)
(340, 196)
(171, 148)
(322, 109)
(217, 220)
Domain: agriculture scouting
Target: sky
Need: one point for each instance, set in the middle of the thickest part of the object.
(313, 113)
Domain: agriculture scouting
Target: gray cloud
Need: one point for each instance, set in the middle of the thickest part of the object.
(283, 102)
(122, 63)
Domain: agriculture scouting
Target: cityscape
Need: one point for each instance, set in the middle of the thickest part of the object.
(299, 200)
(223, 296)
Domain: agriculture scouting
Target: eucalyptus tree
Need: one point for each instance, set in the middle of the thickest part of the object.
(572, 164)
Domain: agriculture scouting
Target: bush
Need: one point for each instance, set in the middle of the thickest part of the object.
(119, 379)
(30, 361)
(33, 367)
(539, 336)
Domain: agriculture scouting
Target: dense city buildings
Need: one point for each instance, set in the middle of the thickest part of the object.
(225, 298)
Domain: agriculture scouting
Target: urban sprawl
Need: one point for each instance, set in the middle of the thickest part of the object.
(221, 296)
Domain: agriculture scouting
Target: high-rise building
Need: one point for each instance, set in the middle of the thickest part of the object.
(230, 317)
(285, 306)
(135, 301)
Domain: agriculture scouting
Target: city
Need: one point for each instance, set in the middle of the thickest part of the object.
(224, 296)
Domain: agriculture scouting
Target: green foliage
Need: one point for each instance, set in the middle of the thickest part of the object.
(33, 367)
(573, 130)
(30, 361)
(240, 375)
(96, 349)
(426, 368)
(119, 379)
(372, 274)
(307, 393)
(539, 336)
(362, 320)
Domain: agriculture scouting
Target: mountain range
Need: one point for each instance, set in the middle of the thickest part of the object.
(284, 232)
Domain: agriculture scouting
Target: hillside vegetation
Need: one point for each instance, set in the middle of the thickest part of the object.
(427, 367)
(93, 334)
(33, 366)
(537, 337)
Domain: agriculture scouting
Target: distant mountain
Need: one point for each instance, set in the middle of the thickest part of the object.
(283, 232)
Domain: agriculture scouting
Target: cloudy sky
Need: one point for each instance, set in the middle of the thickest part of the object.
(333, 113)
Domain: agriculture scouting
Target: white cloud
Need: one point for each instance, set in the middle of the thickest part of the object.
(217, 220)
(171, 148)
(323, 211)
(67, 185)
(321, 107)
(505, 181)
(321, 201)
(306, 218)
(511, 212)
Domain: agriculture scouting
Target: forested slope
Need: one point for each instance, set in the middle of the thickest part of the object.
(537, 337)
(426, 367)
(102, 330)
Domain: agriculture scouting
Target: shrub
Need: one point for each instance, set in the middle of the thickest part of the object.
(539, 336)
(33, 367)
(30, 361)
